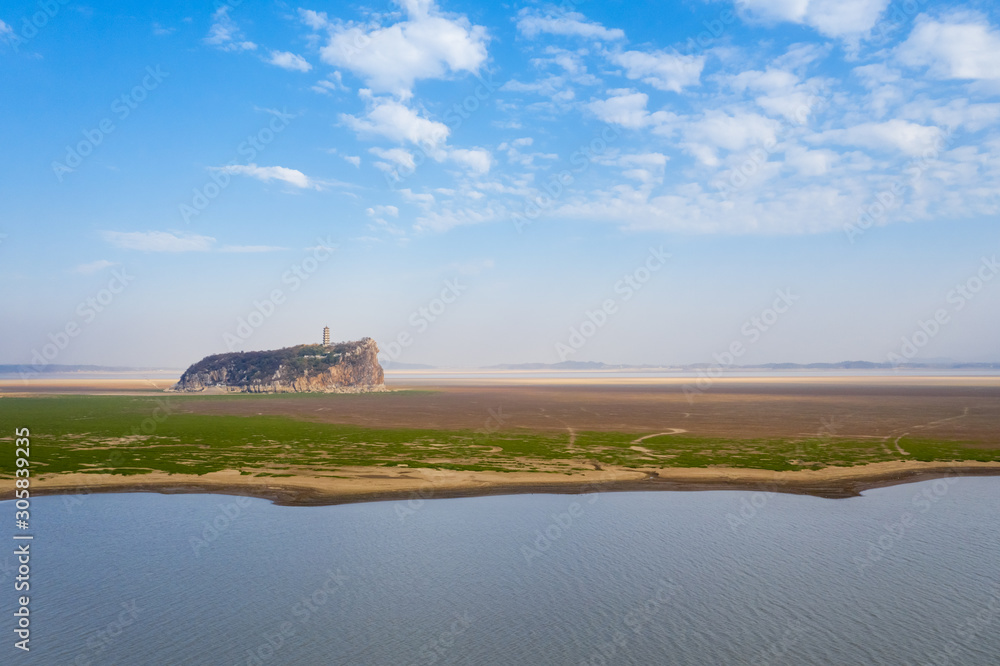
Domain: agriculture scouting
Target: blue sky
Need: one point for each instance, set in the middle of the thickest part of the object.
(488, 178)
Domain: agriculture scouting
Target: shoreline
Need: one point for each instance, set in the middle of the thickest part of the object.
(376, 484)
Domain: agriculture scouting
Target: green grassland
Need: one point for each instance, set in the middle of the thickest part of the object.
(133, 435)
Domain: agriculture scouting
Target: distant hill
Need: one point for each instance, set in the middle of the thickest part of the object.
(868, 365)
(565, 365)
(843, 365)
(346, 367)
(55, 368)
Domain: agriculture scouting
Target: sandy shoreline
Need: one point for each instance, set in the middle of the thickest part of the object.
(371, 484)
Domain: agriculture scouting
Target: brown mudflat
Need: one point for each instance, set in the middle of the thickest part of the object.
(964, 409)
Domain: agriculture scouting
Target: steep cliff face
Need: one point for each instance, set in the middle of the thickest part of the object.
(347, 367)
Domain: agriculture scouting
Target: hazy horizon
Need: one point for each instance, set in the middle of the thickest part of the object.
(804, 184)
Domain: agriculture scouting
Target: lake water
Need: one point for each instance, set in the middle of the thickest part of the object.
(903, 575)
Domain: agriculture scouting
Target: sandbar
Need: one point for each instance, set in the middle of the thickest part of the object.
(371, 484)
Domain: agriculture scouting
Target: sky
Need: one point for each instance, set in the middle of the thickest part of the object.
(480, 183)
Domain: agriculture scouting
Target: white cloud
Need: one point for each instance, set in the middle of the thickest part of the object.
(627, 108)
(427, 45)
(380, 211)
(800, 55)
(810, 163)
(833, 18)
(267, 174)
(158, 241)
(397, 156)
(224, 33)
(962, 47)
(770, 80)
(413, 197)
(569, 24)
(5, 30)
(331, 83)
(775, 10)
(398, 122)
(527, 160)
(569, 61)
(732, 132)
(353, 159)
(94, 266)
(476, 160)
(645, 160)
(553, 87)
(779, 92)
(886, 85)
(448, 218)
(662, 70)
(699, 212)
(251, 248)
(288, 60)
(315, 20)
(277, 113)
(877, 75)
(906, 137)
(955, 114)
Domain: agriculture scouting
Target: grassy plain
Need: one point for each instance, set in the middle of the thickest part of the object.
(523, 428)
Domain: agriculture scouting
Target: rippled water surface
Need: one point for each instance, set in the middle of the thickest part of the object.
(903, 575)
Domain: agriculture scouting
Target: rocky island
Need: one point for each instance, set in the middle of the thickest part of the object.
(345, 367)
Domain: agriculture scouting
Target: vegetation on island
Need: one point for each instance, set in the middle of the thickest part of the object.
(254, 367)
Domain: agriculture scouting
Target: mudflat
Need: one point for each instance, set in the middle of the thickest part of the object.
(465, 435)
(954, 408)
